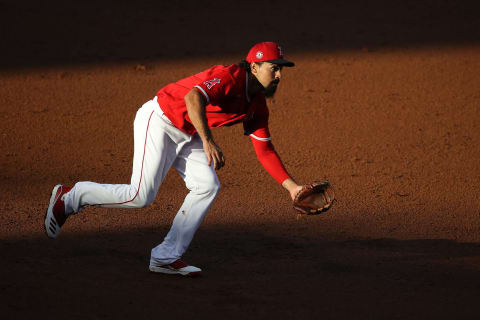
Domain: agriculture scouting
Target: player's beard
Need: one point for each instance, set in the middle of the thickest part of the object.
(271, 89)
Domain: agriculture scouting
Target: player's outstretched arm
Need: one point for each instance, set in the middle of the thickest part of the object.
(195, 103)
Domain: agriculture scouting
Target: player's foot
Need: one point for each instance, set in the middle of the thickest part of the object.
(177, 267)
(55, 216)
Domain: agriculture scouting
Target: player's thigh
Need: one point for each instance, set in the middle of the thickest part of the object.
(192, 165)
(154, 152)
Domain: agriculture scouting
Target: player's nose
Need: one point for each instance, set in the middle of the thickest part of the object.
(278, 74)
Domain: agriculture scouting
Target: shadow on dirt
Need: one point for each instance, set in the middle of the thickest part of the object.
(247, 274)
(64, 33)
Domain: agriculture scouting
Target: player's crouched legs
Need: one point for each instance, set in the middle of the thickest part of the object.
(188, 219)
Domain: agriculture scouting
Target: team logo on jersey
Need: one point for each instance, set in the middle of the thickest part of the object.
(259, 55)
(211, 83)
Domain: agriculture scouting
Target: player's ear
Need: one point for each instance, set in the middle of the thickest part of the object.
(254, 68)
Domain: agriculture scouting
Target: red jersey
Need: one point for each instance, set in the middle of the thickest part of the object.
(225, 92)
(225, 89)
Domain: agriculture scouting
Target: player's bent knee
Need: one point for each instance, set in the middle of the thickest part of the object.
(214, 186)
(211, 187)
(141, 201)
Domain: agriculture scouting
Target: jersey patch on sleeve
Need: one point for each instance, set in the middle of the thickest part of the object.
(211, 83)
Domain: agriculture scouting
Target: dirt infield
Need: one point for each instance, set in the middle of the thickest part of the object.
(392, 124)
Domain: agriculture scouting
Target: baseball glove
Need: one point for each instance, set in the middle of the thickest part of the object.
(314, 198)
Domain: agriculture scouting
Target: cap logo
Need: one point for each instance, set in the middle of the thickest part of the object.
(259, 55)
(280, 51)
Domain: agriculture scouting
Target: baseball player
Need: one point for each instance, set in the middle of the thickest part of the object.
(174, 129)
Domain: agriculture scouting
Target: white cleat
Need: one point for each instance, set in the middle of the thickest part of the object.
(177, 267)
(55, 216)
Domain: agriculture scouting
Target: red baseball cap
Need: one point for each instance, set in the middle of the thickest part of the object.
(268, 52)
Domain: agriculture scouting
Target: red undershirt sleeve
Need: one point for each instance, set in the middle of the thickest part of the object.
(269, 159)
(257, 129)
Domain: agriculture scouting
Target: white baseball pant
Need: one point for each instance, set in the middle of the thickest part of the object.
(157, 146)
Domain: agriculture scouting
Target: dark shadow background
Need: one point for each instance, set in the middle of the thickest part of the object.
(36, 34)
(248, 274)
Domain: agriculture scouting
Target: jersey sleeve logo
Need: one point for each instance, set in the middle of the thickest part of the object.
(211, 83)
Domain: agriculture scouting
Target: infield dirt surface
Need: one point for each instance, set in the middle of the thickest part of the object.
(384, 101)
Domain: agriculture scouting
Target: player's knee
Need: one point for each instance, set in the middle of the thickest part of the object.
(212, 186)
(142, 201)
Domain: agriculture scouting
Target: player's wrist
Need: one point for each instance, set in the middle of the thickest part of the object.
(291, 186)
(206, 135)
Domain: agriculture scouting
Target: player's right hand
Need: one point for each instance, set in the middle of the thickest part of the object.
(214, 153)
